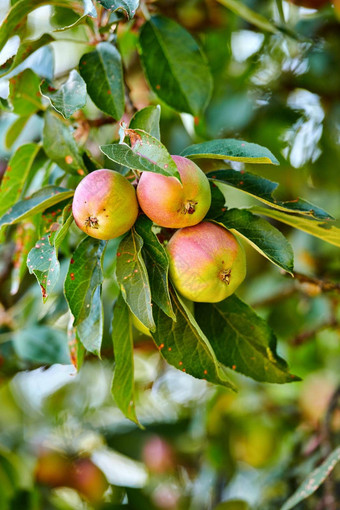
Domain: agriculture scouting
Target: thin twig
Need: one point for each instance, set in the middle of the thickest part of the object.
(323, 285)
(307, 335)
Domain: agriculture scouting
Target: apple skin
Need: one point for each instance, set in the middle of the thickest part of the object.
(89, 480)
(168, 203)
(207, 263)
(53, 469)
(105, 204)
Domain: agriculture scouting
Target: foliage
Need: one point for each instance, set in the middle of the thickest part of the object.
(131, 83)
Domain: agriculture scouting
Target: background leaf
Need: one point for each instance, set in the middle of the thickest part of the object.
(263, 189)
(314, 480)
(326, 230)
(252, 17)
(157, 264)
(60, 145)
(41, 345)
(37, 202)
(262, 236)
(231, 149)
(123, 386)
(90, 330)
(242, 340)
(175, 66)
(70, 97)
(184, 345)
(24, 93)
(16, 175)
(103, 73)
(133, 278)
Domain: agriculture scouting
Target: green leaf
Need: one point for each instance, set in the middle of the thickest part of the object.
(314, 480)
(43, 263)
(242, 340)
(41, 345)
(75, 347)
(83, 277)
(150, 148)
(123, 385)
(124, 155)
(103, 73)
(326, 230)
(147, 119)
(60, 145)
(175, 65)
(89, 10)
(24, 93)
(25, 49)
(16, 175)
(231, 149)
(15, 130)
(184, 345)
(69, 98)
(263, 189)
(24, 240)
(157, 264)
(128, 7)
(34, 204)
(90, 330)
(67, 220)
(261, 235)
(217, 206)
(133, 278)
(252, 17)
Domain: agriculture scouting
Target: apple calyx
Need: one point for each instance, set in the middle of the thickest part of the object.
(225, 276)
(189, 207)
(92, 222)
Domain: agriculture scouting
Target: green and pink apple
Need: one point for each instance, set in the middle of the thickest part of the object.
(172, 204)
(207, 263)
(105, 204)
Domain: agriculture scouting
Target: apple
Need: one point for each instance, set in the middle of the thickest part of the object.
(88, 480)
(207, 263)
(105, 204)
(172, 204)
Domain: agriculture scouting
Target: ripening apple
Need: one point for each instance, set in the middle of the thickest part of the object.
(88, 480)
(172, 204)
(105, 204)
(207, 263)
(53, 469)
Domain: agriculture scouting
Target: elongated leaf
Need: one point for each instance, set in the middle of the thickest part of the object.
(314, 480)
(43, 263)
(90, 330)
(262, 236)
(83, 277)
(242, 340)
(263, 189)
(24, 93)
(231, 149)
(69, 98)
(175, 65)
(217, 206)
(157, 264)
(75, 347)
(252, 17)
(60, 145)
(103, 73)
(34, 204)
(184, 345)
(16, 175)
(133, 278)
(15, 130)
(147, 119)
(123, 386)
(24, 240)
(328, 231)
(128, 7)
(25, 49)
(150, 148)
(62, 232)
(89, 10)
(124, 155)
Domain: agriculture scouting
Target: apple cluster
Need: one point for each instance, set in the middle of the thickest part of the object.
(207, 263)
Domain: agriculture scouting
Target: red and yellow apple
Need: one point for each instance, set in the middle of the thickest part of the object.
(105, 204)
(207, 263)
(173, 204)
